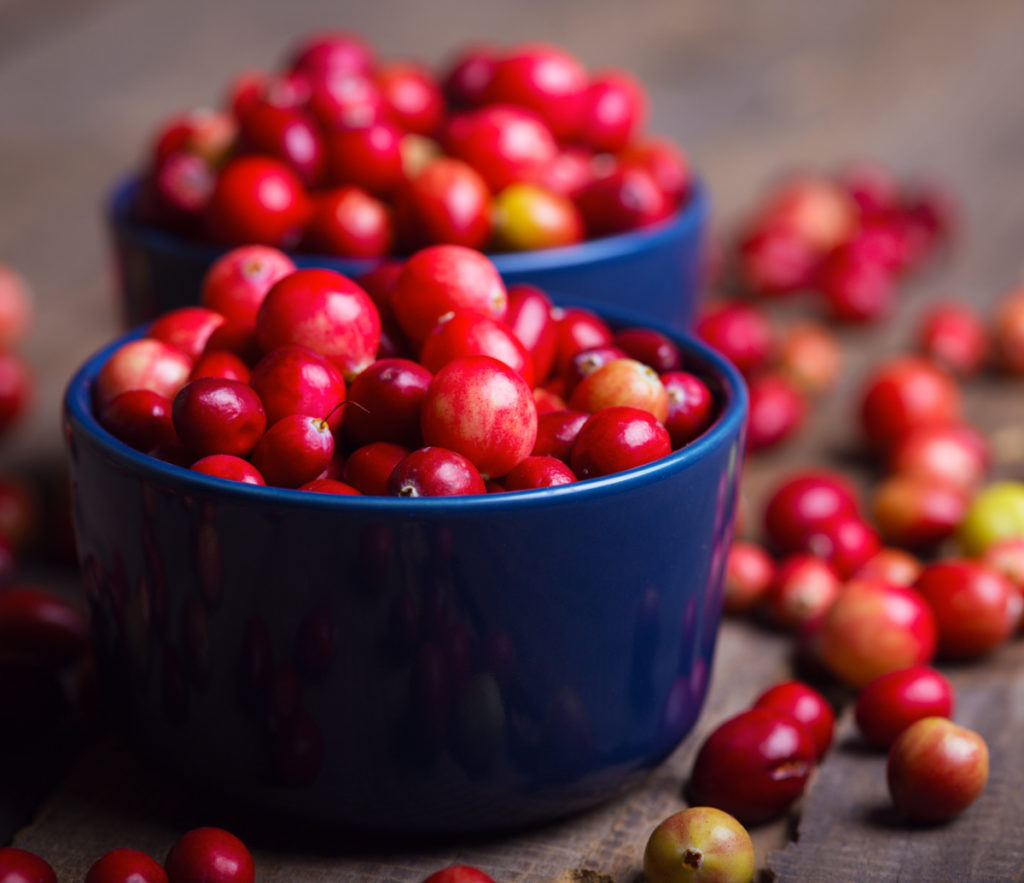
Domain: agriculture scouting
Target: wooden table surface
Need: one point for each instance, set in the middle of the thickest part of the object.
(751, 90)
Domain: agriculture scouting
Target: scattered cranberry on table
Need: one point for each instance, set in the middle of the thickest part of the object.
(209, 855)
(459, 874)
(126, 866)
(21, 866)
(886, 706)
(699, 843)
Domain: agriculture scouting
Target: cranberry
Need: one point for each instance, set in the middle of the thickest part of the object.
(330, 486)
(538, 472)
(22, 866)
(367, 156)
(662, 159)
(741, 332)
(459, 874)
(186, 329)
(976, 608)
(349, 222)
(577, 329)
(411, 96)
(953, 453)
(528, 216)
(209, 134)
(126, 866)
(802, 591)
(435, 472)
(904, 393)
(916, 511)
(15, 307)
(257, 199)
(505, 144)
(463, 333)
(214, 416)
(699, 843)
(627, 198)
(482, 409)
(349, 101)
(288, 134)
(545, 79)
(294, 450)
(324, 311)
(140, 418)
(954, 335)
(447, 202)
(230, 467)
(777, 409)
(886, 706)
(41, 627)
(556, 433)
(650, 347)
(468, 76)
(442, 278)
(570, 172)
(803, 502)
(238, 338)
(387, 399)
(856, 289)
(529, 317)
(749, 573)
(1008, 332)
(936, 769)
(621, 382)
(141, 364)
(209, 855)
(691, 406)
(296, 380)
(616, 439)
(585, 362)
(805, 704)
(873, 628)
(775, 262)
(176, 193)
(810, 357)
(548, 400)
(891, 565)
(223, 364)
(330, 53)
(614, 111)
(753, 765)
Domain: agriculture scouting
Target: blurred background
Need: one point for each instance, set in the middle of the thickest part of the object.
(750, 90)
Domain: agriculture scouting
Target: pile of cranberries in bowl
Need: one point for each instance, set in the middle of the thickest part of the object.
(342, 153)
(432, 380)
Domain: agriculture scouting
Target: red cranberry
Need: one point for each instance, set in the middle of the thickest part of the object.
(805, 704)
(38, 626)
(741, 332)
(209, 855)
(936, 770)
(627, 198)
(288, 134)
(904, 393)
(176, 193)
(442, 278)
(330, 486)
(545, 79)
(775, 262)
(538, 472)
(917, 511)
(468, 76)
(892, 566)
(387, 399)
(529, 317)
(126, 866)
(324, 311)
(230, 467)
(856, 289)
(257, 199)
(810, 357)
(223, 364)
(15, 388)
(330, 53)
(411, 96)
(650, 347)
(803, 589)
(22, 866)
(482, 409)
(952, 453)
(349, 222)
(140, 418)
(886, 706)
(462, 333)
(214, 416)
(294, 450)
(846, 542)
(777, 409)
(505, 144)
(621, 382)
(238, 338)
(186, 329)
(141, 364)
(349, 101)
(367, 156)
(803, 502)
(662, 159)
(614, 111)
(616, 439)
(570, 172)
(1008, 332)
(368, 468)
(435, 472)
(749, 573)
(237, 281)
(459, 874)
(446, 202)
(16, 309)
(296, 380)
(209, 134)
(976, 608)
(556, 433)
(585, 362)
(753, 765)
(954, 335)
(577, 329)
(691, 407)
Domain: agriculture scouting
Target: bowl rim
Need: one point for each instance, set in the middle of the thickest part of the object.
(685, 222)
(727, 384)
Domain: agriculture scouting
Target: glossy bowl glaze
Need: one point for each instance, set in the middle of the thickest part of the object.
(656, 271)
(419, 665)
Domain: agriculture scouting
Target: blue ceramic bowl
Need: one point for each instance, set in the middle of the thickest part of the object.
(655, 271)
(422, 665)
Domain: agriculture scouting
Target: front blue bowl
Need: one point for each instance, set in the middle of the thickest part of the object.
(656, 271)
(423, 665)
